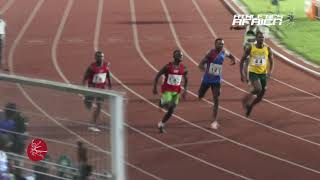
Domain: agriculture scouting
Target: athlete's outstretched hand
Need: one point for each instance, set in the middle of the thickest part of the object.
(268, 75)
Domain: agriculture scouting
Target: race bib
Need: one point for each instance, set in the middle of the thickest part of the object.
(174, 79)
(259, 61)
(99, 78)
(215, 69)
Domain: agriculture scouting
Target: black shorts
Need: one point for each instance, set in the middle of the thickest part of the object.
(258, 77)
(215, 88)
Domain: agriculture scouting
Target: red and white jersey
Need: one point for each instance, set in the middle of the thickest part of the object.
(173, 78)
(98, 76)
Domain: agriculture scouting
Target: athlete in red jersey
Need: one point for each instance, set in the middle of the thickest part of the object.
(97, 75)
(171, 87)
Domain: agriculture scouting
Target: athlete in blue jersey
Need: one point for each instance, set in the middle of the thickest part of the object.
(211, 65)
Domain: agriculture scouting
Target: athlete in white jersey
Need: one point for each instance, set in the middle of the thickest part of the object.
(250, 34)
(2, 39)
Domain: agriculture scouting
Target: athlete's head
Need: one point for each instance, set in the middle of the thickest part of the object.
(219, 44)
(177, 55)
(260, 37)
(99, 56)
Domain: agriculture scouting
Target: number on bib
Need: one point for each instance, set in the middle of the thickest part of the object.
(259, 61)
(215, 69)
(174, 79)
(99, 78)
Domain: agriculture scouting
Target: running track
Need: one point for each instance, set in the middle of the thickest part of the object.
(55, 40)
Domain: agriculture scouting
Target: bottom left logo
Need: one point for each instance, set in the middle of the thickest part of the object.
(37, 150)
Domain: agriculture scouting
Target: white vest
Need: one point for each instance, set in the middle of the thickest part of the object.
(2, 27)
(3, 162)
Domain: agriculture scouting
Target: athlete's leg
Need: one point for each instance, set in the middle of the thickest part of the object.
(88, 101)
(172, 99)
(216, 94)
(263, 82)
(248, 98)
(257, 90)
(258, 98)
(254, 86)
(202, 90)
(97, 111)
(96, 114)
(246, 62)
(171, 108)
(165, 100)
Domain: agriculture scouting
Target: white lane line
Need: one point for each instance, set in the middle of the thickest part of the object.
(291, 99)
(6, 6)
(21, 33)
(293, 87)
(57, 38)
(95, 48)
(98, 25)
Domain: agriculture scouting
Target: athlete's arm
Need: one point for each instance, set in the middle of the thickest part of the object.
(109, 80)
(231, 57)
(185, 85)
(203, 62)
(163, 71)
(185, 76)
(243, 72)
(270, 58)
(86, 75)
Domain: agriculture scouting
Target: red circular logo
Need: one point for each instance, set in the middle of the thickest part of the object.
(37, 150)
